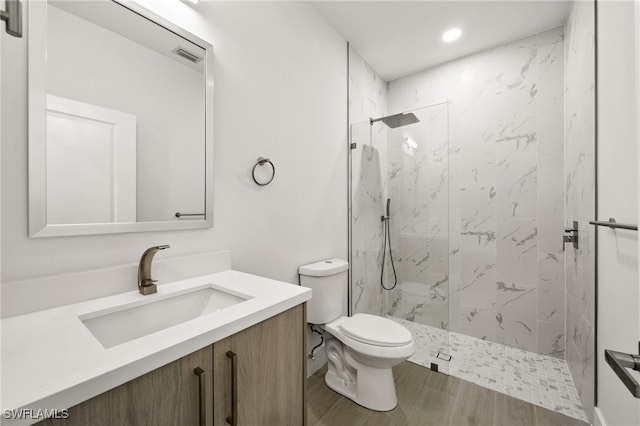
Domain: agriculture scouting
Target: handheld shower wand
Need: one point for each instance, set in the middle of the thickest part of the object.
(387, 217)
(386, 236)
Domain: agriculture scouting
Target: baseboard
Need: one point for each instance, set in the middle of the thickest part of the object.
(598, 418)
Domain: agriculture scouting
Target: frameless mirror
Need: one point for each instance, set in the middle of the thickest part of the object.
(120, 121)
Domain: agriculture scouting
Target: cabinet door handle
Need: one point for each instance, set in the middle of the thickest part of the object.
(202, 395)
(233, 418)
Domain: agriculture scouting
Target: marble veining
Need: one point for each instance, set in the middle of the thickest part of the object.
(579, 199)
(491, 179)
(419, 217)
(479, 190)
(368, 163)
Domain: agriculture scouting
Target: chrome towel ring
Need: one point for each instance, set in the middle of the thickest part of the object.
(260, 162)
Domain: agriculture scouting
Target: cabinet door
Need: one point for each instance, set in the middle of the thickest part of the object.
(270, 373)
(167, 396)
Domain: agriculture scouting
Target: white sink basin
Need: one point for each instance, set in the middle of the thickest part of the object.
(121, 324)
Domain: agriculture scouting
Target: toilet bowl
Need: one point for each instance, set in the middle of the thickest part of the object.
(361, 349)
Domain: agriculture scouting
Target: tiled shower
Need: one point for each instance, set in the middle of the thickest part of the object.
(481, 190)
(502, 178)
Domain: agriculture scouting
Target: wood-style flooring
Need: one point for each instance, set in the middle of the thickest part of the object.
(430, 399)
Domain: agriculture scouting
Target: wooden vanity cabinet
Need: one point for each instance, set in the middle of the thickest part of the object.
(260, 373)
(267, 369)
(169, 395)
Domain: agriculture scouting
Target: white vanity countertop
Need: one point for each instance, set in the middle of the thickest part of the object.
(51, 360)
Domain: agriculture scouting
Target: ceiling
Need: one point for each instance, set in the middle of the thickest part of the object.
(399, 38)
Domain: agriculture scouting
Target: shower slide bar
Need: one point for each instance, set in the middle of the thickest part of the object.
(613, 224)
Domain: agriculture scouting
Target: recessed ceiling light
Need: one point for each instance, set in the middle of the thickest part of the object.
(451, 35)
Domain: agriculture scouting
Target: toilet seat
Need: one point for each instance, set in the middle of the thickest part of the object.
(335, 328)
(375, 330)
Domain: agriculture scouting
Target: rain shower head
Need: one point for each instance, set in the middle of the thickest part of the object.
(397, 120)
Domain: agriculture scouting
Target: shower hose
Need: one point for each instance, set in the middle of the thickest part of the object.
(386, 237)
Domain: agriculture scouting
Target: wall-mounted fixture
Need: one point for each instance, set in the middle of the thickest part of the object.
(397, 120)
(13, 17)
(573, 238)
(611, 223)
(261, 162)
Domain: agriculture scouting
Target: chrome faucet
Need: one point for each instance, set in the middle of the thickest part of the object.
(145, 283)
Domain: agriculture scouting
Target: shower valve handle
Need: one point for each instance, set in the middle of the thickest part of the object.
(573, 238)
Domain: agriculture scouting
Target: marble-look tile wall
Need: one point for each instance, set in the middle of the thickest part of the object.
(579, 129)
(505, 199)
(418, 179)
(368, 180)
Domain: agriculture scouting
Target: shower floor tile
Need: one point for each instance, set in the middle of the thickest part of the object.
(539, 379)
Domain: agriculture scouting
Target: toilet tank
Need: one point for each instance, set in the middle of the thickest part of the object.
(327, 280)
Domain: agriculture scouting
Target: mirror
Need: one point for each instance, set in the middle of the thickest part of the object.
(120, 121)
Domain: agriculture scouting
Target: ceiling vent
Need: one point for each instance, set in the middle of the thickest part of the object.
(191, 57)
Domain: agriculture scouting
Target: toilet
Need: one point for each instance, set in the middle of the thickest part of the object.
(361, 349)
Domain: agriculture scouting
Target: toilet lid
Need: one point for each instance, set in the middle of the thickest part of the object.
(375, 330)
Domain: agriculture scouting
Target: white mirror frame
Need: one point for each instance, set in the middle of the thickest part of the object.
(37, 132)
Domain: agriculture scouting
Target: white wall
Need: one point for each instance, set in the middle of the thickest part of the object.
(618, 292)
(280, 90)
(367, 99)
(281, 86)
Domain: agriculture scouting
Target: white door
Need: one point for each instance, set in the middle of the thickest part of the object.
(618, 197)
(1, 38)
(91, 163)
